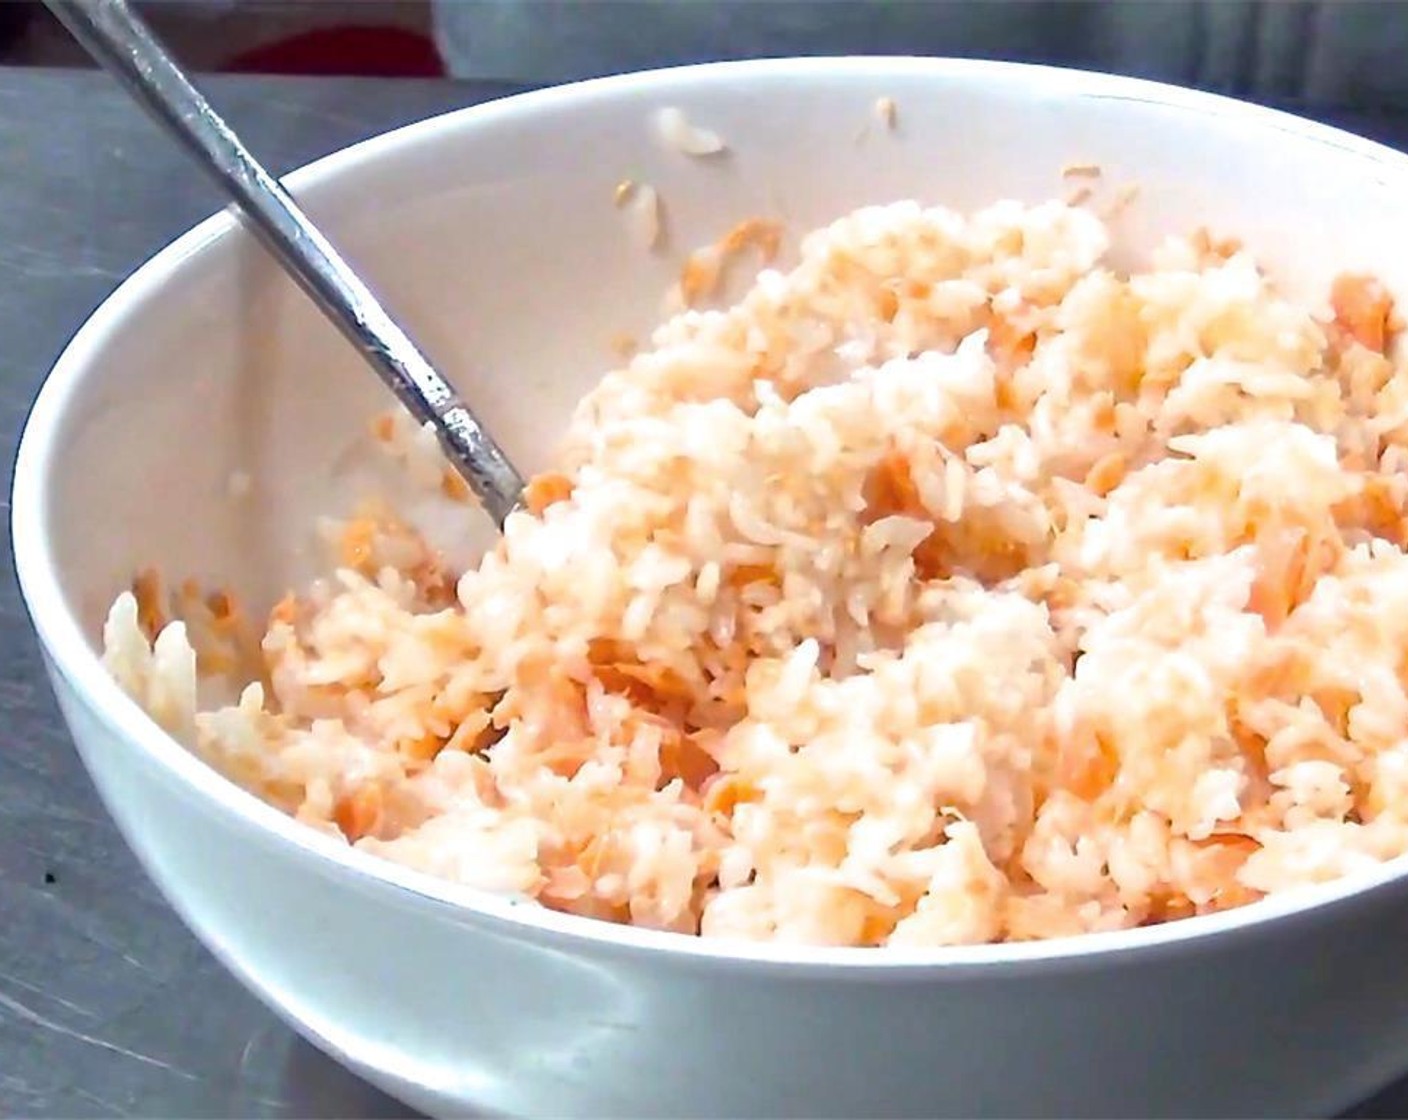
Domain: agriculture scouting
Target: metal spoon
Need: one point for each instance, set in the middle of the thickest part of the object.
(122, 43)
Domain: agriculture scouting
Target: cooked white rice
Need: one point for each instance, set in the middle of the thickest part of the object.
(947, 588)
(678, 133)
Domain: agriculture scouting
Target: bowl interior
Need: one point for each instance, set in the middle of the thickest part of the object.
(494, 235)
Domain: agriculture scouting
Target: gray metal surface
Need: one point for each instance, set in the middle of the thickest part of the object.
(108, 1007)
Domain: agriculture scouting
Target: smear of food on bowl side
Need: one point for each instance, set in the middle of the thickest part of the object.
(948, 587)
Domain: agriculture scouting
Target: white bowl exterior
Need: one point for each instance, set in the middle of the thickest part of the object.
(458, 1015)
(502, 249)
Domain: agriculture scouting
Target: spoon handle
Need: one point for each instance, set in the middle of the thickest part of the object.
(118, 39)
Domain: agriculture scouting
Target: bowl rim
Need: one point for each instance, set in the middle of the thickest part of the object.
(70, 654)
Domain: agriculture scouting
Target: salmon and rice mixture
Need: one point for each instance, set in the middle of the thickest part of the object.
(949, 587)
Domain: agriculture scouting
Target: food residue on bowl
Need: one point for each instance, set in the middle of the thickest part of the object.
(947, 587)
(1083, 178)
(641, 203)
(623, 344)
(678, 133)
(1081, 171)
(704, 269)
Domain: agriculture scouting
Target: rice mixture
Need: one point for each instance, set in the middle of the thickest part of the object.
(949, 587)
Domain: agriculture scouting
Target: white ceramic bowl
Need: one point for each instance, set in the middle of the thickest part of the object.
(493, 232)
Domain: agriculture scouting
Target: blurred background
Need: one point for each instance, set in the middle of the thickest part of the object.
(1313, 54)
(392, 38)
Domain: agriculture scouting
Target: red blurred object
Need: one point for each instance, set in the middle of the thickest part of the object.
(382, 52)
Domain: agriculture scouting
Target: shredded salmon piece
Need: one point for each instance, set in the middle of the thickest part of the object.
(565, 884)
(1270, 594)
(892, 488)
(703, 270)
(701, 275)
(453, 486)
(434, 581)
(682, 757)
(649, 686)
(546, 490)
(1170, 906)
(931, 556)
(652, 686)
(384, 427)
(891, 491)
(605, 651)
(726, 668)
(358, 541)
(1229, 845)
(1009, 342)
(1335, 704)
(1253, 748)
(1375, 509)
(1230, 896)
(1214, 248)
(763, 233)
(1364, 310)
(222, 605)
(1005, 393)
(1288, 566)
(151, 613)
(1105, 415)
(1107, 473)
(726, 791)
(594, 856)
(214, 663)
(422, 749)
(1090, 773)
(744, 574)
(1219, 859)
(887, 304)
(1063, 594)
(878, 925)
(285, 610)
(360, 812)
(1081, 171)
(472, 733)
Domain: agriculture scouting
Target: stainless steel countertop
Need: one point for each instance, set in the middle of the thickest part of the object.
(108, 1007)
